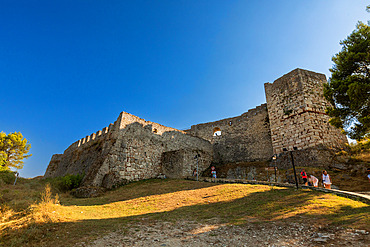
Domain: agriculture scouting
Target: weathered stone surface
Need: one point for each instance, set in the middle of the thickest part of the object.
(242, 138)
(296, 109)
(129, 152)
(340, 166)
(181, 163)
(318, 156)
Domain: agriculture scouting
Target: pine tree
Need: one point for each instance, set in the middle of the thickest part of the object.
(13, 149)
(348, 89)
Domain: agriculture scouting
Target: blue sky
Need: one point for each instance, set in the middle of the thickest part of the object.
(68, 68)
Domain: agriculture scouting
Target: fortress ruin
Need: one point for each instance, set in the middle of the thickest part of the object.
(133, 149)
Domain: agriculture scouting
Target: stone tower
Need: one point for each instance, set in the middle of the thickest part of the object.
(296, 108)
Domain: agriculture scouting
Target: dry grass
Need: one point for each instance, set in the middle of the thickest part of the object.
(364, 156)
(358, 152)
(24, 224)
(76, 220)
(37, 213)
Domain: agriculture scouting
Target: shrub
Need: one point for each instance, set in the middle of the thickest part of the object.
(360, 146)
(7, 177)
(70, 182)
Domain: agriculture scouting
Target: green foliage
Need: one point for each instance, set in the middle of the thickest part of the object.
(4, 168)
(7, 177)
(360, 146)
(66, 183)
(13, 149)
(71, 181)
(348, 89)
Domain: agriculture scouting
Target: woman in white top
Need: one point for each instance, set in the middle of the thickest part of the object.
(326, 180)
(313, 180)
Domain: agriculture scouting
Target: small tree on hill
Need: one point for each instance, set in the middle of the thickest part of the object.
(348, 89)
(13, 149)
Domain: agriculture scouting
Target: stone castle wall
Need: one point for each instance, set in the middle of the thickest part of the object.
(296, 109)
(242, 138)
(133, 149)
(130, 150)
(138, 153)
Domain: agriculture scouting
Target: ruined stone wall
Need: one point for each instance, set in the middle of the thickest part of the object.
(181, 163)
(125, 119)
(296, 109)
(127, 151)
(137, 153)
(242, 138)
(318, 156)
(82, 155)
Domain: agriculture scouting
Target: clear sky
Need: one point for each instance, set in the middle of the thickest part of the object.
(68, 68)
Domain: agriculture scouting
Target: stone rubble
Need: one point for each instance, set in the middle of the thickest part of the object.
(188, 233)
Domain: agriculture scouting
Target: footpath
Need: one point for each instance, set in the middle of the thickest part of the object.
(363, 196)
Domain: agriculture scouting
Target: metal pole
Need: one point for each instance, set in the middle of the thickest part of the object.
(197, 169)
(275, 168)
(295, 175)
(16, 176)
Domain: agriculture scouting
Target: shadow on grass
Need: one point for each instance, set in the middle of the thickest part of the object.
(138, 189)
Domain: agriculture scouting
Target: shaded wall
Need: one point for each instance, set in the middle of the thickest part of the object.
(242, 138)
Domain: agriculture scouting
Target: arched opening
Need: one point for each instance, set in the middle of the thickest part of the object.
(216, 131)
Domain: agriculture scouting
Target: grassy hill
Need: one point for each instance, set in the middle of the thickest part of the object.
(32, 216)
(42, 212)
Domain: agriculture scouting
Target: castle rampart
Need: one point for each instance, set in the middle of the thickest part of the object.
(296, 108)
(242, 138)
(133, 149)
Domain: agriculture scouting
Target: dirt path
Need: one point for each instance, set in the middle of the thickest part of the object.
(187, 233)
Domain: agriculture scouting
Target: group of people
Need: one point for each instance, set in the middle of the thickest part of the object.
(308, 180)
(313, 181)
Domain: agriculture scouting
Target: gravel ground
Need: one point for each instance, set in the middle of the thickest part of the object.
(187, 233)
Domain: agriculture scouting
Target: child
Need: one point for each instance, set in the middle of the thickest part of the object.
(213, 172)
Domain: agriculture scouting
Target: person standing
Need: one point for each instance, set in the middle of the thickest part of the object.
(313, 180)
(326, 180)
(213, 172)
(195, 173)
(304, 177)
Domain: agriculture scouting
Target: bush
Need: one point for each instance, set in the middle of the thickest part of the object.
(64, 184)
(7, 177)
(360, 146)
(70, 182)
